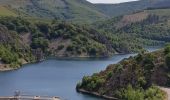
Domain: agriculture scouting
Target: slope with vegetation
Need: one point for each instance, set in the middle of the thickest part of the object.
(148, 25)
(134, 78)
(55, 38)
(80, 11)
(13, 52)
(74, 10)
(43, 37)
(130, 7)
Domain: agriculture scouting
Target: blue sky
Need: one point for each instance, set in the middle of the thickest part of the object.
(110, 1)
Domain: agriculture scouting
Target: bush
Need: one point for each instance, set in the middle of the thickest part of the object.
(7, 56)
(167, 60)
(132, 94)
(93, 51)
(60, 47)
(152, 93)
(40, 43)
(70, 48)
(167, 49)
(92, 83)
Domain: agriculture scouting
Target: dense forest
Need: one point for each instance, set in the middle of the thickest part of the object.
(134, 78)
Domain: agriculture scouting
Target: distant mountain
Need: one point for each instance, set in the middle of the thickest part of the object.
(130, 7)
(75, 10)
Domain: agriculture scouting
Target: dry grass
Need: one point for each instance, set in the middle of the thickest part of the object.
(128, 19)
(4, 11)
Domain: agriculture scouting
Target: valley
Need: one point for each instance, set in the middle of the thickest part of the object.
(76, 33)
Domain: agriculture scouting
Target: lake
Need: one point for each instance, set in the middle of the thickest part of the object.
(55, 77)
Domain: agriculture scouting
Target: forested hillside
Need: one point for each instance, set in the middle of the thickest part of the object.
(13, 51)
(133, 78)
(148, 25)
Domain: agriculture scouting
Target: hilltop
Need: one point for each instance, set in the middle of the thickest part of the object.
(74, 10)
(79, 11)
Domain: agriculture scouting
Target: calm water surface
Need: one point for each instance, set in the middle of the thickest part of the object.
(54, 77)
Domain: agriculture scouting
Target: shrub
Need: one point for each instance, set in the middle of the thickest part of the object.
(60, 47)
(7, 56)
(167, 49)
(167, 60)
(40, 43)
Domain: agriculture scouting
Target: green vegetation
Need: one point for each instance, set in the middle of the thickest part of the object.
(7, 56)
(152, 93)
(76, 10)
(130, 7)
(42, 38)
(147, 27)
(34, 33)
(83, 41)
(167, 55)
(133, 78)
(70, 10)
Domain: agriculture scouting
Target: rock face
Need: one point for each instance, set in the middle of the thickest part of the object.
(5, 37)
(38, 53)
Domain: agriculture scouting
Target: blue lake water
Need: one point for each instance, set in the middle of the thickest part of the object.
(55, 77)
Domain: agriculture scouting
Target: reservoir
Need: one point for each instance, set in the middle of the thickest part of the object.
(55, 77)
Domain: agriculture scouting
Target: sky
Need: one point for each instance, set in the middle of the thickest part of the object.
(110, 1)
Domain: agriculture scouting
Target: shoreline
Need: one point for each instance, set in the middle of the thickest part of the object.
(96, 94)
(5, 67)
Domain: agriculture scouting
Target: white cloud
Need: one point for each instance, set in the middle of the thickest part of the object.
(110, 1)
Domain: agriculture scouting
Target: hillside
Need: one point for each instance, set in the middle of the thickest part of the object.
(79, 11)
(13, 51)
(150, 24)
(74, 10)
(123, 34)
(130, 7)
(132, 78)
(59, 39)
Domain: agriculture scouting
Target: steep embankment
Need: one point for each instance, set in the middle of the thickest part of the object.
(13, 51)
(132, 78)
